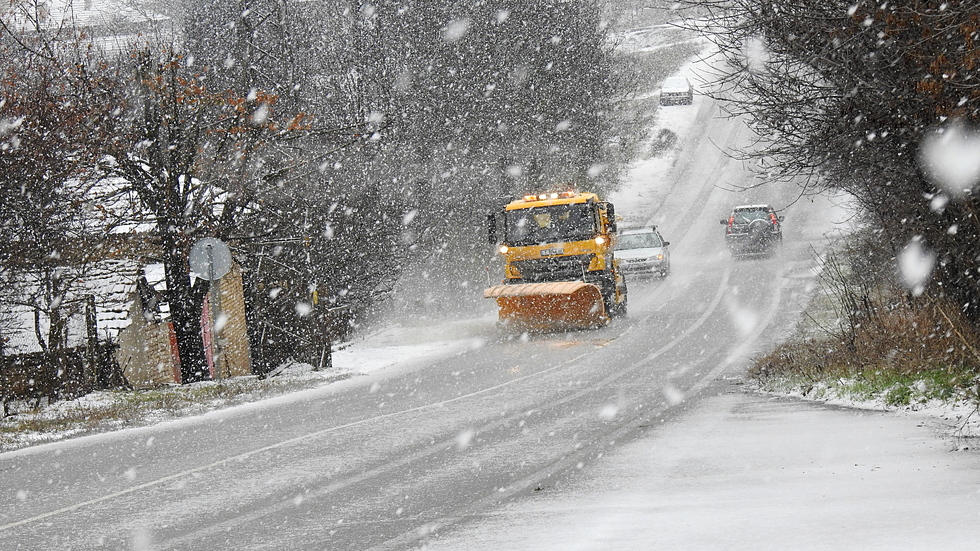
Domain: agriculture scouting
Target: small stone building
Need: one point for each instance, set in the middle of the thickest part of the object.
(147, 352)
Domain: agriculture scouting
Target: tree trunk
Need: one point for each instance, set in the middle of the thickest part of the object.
(186, 304)
(57, 321)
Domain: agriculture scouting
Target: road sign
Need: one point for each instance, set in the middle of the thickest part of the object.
(210, 258)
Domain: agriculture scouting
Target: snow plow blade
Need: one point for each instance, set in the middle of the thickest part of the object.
(550, 306)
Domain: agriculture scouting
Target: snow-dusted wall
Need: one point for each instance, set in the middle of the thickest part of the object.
(229, 317)
(145, 354)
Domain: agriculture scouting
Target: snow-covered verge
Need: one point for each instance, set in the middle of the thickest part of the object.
(902, 361)
(956, 417)
(392, 347)
(109, 410)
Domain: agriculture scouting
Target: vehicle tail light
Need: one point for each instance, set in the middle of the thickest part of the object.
(731, 222)
(772, 216)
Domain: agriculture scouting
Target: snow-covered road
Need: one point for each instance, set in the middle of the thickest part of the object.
(743, 471)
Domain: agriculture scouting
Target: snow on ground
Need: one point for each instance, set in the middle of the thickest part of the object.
(746, 471)
(399, 345)
(956, 419)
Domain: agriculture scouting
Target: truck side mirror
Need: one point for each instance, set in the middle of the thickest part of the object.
(610, 216)
(492, 228)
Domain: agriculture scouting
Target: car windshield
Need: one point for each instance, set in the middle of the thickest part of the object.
(639, 241)
(551, 224)
(748, 215)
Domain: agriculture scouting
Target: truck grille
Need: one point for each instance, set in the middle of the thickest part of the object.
(560, 268)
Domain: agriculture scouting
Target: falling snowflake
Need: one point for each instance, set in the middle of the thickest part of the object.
(951, 159)
(464, 439)
(608, 412)
(756, 55)
(456, 30)
(915, 264)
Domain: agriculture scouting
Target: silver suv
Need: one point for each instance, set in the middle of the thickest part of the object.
(753, 229)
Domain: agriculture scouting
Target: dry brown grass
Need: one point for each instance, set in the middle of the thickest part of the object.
(863, 328)
(905, 339)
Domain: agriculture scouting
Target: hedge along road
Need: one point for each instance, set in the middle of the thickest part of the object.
(382, 461)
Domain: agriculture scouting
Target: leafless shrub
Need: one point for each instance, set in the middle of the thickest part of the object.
(863, 322)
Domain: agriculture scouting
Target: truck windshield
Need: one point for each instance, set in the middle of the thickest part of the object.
(552, 224)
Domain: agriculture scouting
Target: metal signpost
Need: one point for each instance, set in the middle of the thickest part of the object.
(210, 259)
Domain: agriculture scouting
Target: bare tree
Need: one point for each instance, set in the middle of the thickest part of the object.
(55, 100)
(845, 93)
(196, 159)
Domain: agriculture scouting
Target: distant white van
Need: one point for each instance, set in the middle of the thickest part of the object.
(676, 91)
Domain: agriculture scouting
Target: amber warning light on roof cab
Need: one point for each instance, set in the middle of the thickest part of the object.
(546, 196)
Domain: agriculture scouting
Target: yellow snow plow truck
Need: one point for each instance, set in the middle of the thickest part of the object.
(559, 269)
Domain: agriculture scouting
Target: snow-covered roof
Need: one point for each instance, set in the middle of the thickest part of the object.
(116, 208)
(112, 282)
(631, 231)
(51, 15)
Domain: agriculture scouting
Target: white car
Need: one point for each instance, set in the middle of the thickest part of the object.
(643, 251)
(676, 91)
